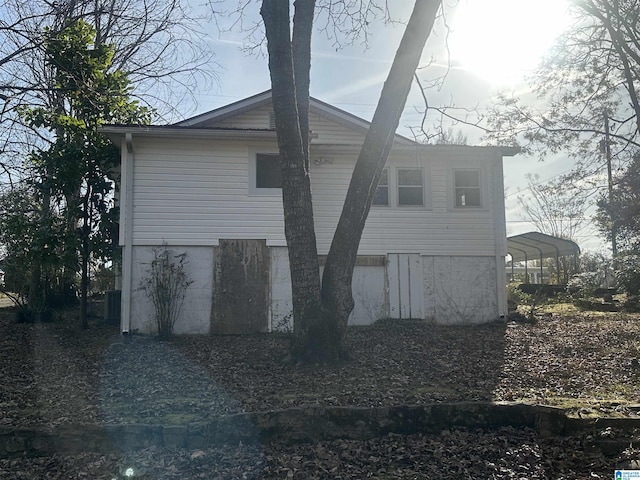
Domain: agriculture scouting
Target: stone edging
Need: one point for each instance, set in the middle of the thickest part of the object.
(295, 425)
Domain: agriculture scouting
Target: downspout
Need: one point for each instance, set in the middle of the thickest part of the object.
(501, 241)
(126, 220)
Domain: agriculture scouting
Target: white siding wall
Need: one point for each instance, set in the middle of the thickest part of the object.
(191, 192)
(435, 229)
(256, 118)
(328, 132)
(324, 130)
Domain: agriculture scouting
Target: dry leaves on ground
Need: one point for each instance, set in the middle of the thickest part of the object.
(54, 374)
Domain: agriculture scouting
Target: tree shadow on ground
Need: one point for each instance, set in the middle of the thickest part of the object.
(392, 363)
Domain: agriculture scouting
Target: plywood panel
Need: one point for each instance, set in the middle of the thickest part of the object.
(240, 287)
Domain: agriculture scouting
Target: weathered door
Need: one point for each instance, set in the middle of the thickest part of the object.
(406, 285)
(240, 287)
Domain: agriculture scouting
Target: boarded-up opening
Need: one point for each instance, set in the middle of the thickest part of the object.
(240, 287)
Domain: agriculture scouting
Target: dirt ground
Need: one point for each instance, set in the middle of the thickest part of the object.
(55, 374)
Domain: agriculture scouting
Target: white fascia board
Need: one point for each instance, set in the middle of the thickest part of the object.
(115, 132)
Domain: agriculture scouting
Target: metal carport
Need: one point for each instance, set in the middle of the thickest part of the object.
(538, 246)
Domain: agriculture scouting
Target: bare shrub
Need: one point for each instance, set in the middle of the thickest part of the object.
(166, 284)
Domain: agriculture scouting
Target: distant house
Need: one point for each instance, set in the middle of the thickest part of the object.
(433, 247)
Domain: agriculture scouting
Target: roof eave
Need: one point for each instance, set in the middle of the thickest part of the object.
(116, 131)
(509, 151)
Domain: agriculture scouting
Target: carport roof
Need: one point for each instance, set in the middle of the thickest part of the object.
(536, 245)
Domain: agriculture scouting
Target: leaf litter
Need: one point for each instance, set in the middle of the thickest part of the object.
(53, 374)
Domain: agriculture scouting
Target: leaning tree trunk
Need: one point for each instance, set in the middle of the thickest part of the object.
(338, 272)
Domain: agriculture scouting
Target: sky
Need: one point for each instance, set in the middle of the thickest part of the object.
(491, 46)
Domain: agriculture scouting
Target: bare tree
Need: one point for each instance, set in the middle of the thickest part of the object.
(158, 44)
(593, 73)
(321, 309)
(555, 207)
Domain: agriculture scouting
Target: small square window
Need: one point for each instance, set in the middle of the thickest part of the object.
(381, 197)
(410, 187)
(268, 174)
(467, 188)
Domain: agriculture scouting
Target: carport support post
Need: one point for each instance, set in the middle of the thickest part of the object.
(541, 270)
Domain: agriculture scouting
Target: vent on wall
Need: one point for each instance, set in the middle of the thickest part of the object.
(272, 121)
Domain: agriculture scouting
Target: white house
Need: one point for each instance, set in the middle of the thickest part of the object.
(433, 247)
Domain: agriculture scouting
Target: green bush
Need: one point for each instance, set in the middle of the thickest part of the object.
(628, 272)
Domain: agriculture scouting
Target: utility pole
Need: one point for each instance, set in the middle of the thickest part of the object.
(607, 152)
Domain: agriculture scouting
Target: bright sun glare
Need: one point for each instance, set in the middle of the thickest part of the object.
(503, 40)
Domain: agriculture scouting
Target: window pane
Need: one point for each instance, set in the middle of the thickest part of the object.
(467, 178)
(410, 190)
(381, 197)
(384, 177)
(472, 196)
(410, 177)
(268, 173)
(467, 188)
(410, 196)
(468, 197)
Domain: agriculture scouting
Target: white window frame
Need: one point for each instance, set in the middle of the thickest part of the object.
(481, 188)
(397, 185)
(253, 189)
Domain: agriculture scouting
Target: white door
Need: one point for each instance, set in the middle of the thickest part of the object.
(406, 285)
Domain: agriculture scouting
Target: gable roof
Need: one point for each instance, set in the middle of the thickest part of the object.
(211, 124)
(316, 106)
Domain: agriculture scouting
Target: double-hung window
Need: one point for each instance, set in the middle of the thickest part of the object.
(410, 187)
(467, 188)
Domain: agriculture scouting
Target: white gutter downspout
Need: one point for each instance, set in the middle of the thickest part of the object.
(126, 222)
(501, 239)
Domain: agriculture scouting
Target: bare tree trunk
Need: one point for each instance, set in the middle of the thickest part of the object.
(84, 255)
(296, 186)
(338, 272)
(320, 315)
(37, 291)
